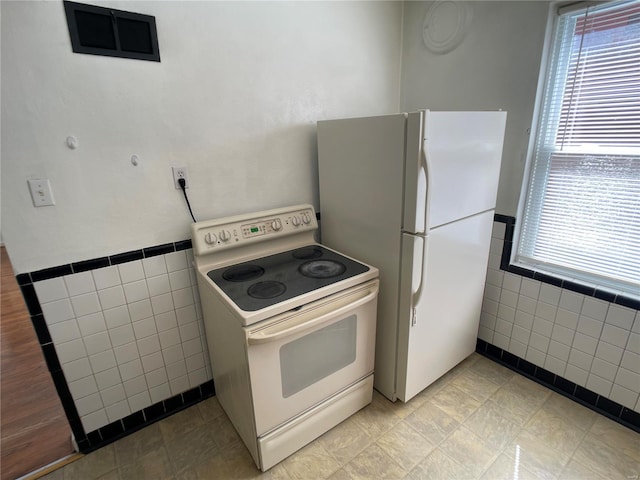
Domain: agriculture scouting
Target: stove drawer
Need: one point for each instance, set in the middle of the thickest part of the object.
(306, 357)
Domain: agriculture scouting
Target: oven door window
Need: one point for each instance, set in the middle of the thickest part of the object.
(317, 355)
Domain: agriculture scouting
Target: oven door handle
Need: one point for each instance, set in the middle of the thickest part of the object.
(278, 332)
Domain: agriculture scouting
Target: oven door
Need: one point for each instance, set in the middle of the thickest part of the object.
(299, 359)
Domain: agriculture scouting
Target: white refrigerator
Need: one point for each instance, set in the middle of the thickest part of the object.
(414, 194)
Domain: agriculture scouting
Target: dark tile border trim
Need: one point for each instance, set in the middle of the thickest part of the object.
(87, 265)
(90, 441)
(95, 263)
(589, 399)
(159, 250)
(623, 300)
(126, 257)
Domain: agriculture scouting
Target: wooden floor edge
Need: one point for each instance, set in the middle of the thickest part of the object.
(41, 472)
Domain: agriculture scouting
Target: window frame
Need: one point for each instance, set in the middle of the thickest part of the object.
(547, 67)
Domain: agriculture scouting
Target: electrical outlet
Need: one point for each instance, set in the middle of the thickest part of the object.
(178, 173)
(41, 193)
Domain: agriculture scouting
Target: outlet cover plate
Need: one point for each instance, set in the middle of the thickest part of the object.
(178, 173)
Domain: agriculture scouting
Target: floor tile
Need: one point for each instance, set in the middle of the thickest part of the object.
(555, 432)
(432, 422)
(506, 468)
(340, 475)
(491, 370)
(373, 462)
(599, 456)
(617, 436)
(112, 475)
(402, 409)
(346, 440)
(181, 423)
(210, 409)
(456, 403)
(571, 411)
(466, 363)
(155, 464)
(377, 417)
(519, 398)
(488, 423)
(312, 461)
(222, 432)
(405, 445)
(467, 448)
(437, 465)
(55, 475)
(529, 388)
(92, 466)
(534, 455)
(138, 444)
(231, 463)
(480, 421)
(194, 448)
(475, 385)
(576, 470)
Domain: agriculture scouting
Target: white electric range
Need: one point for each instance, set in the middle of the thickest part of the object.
(290, 326)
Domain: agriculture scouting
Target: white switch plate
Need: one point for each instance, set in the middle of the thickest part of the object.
(41, 193)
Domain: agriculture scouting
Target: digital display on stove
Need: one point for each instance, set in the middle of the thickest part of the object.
(266, 281)
(253, 230)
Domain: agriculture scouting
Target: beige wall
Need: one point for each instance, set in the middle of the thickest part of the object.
(495, 67)
(234, 99)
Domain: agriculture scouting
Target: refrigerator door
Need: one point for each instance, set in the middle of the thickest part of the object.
(441, 290)
(457, 162)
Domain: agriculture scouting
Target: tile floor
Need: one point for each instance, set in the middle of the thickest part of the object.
(480, 421)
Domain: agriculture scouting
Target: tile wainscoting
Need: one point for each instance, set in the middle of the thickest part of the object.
(578, 340)
(123, 338)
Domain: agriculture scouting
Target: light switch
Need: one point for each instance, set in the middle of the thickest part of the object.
(41, 193)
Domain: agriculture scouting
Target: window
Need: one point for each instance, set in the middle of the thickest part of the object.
(580, 217)
(110, 32)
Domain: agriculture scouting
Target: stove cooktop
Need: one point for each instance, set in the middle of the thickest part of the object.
(266, 281)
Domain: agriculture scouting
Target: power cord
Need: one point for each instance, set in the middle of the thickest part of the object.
(183, 183)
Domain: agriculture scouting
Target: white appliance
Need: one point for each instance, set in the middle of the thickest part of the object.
(290, 326)
(414, 194)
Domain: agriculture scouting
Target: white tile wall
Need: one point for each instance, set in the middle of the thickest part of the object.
(588, 341)
(127, 336)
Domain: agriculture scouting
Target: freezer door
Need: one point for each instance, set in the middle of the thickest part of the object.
(455, 167)
(442, 284)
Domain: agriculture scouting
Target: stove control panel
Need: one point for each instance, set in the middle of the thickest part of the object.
(229, 232)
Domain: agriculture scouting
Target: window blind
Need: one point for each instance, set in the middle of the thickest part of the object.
(581, 215)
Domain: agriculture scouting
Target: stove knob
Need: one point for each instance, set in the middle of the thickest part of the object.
(276, 224)
(295, 221)
(225, 235)
(210, 238)
(306, 219)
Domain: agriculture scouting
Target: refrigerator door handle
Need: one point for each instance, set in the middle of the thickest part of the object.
(423, 193)
(417, 173)
(417, 292)
(423, 188)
